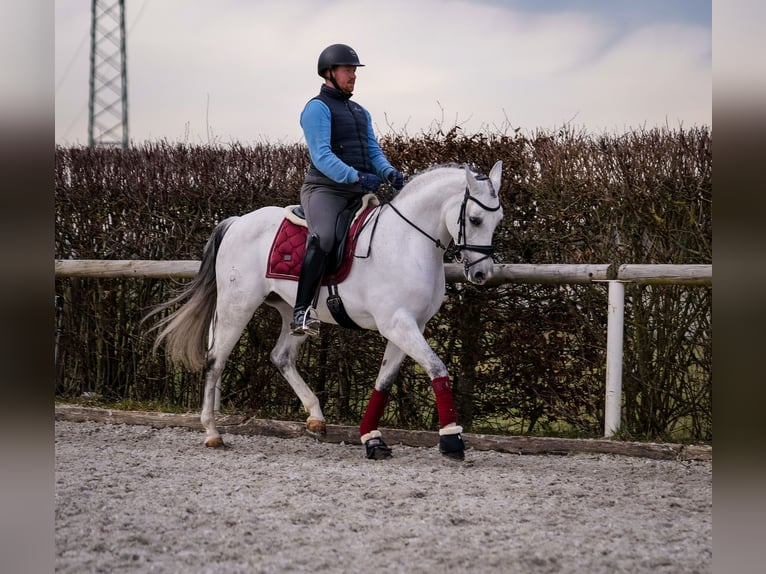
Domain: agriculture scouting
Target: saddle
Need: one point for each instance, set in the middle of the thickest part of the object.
(289, 245)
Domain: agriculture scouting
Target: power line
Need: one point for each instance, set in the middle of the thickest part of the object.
(74, 121)
(72, 61)
(138, 16)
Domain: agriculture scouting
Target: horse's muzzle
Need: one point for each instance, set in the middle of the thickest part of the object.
(479, 277)
(480, 270)
(475, 275)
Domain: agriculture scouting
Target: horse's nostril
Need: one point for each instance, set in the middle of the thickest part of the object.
(479, 276)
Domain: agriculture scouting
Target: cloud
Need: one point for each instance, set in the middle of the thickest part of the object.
(654, 75)
(657, 72)
(243, 70)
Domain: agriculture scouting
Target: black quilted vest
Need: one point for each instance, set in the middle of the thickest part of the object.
(348, 136)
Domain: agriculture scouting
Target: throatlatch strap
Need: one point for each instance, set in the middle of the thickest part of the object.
(374, 412)
(445, 404)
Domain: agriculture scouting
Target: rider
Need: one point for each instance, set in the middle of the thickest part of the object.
(346, 163)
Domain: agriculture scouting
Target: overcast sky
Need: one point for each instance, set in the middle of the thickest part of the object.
(241, 70)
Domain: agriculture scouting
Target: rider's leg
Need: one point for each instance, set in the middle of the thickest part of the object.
(308, 283)
(321, 206)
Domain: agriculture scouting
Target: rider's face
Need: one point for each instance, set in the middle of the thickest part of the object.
(345, 77)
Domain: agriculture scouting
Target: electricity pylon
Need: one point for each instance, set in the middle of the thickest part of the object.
(108, 99)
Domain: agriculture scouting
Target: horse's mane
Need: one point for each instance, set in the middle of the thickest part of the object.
(446, 165)
(453, 165)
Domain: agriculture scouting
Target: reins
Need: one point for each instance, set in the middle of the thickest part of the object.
(388, 203)
(455, 250)
(436, 242)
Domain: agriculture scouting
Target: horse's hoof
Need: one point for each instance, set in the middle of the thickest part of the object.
(452, 446)
(214, 442)
(376, 449)
(316, 427)
(458, 455)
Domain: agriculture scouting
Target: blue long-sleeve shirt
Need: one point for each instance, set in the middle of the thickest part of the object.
(316, 123)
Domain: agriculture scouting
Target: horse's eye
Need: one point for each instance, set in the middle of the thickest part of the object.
(475, 220)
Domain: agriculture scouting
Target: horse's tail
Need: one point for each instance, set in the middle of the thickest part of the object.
(185, 330)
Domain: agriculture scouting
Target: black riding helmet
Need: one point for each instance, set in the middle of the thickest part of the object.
(337, 55)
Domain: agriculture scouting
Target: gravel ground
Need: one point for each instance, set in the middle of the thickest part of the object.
(138, 499)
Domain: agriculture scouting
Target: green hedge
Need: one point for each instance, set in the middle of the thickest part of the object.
(524, 358)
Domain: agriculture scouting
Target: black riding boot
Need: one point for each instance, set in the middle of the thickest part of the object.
(308, 283)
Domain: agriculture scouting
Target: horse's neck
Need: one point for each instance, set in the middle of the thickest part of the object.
(426, 205)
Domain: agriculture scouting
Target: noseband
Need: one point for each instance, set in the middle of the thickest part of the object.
(456, 251)
(487, 250)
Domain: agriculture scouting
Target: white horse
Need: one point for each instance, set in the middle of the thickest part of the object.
(395, 285)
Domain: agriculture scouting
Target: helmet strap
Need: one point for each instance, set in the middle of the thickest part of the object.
(332, 79)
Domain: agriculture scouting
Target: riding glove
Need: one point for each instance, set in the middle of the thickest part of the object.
(396, 179)
(369, 181)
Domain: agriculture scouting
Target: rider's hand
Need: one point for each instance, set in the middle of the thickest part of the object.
(396, 179)
(369, 181)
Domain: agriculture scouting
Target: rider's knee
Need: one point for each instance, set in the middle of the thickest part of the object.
(317, 242)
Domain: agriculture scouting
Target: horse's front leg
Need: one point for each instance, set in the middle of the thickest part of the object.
(406, 334)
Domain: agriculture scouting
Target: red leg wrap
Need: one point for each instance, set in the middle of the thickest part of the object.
(374, 412)
(444, 401)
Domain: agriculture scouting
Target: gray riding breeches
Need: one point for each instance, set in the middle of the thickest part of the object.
(322, 204)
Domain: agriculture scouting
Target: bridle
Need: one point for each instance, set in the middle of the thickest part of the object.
(455, 251)
(487, 250)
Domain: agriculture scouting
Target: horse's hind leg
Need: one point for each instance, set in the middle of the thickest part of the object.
(212, 378)
(229, 323)
(284, 357)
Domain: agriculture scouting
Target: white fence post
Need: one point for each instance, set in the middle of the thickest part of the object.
(614, 341)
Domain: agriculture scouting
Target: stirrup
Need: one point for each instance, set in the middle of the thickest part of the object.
(305, 325)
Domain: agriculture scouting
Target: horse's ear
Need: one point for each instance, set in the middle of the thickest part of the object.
(470, 178)
(495, 175)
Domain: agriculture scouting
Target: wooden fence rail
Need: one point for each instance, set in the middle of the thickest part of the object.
(550, 274)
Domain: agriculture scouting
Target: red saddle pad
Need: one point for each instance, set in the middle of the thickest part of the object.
(289, 246)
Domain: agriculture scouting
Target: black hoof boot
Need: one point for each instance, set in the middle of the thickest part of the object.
(452, 446)
(377, 449)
